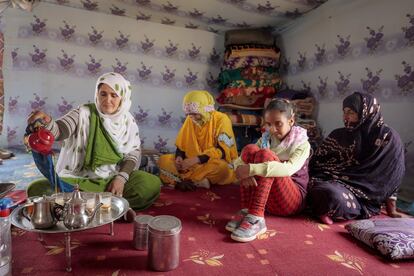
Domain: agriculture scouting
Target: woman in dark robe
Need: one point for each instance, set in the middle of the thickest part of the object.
(358, 167)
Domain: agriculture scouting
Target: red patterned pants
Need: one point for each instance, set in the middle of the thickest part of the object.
(278, 195)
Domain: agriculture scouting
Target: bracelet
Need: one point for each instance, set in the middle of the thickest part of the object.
(124, 175)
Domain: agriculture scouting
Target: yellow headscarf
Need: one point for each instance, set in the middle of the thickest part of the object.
(199, 102)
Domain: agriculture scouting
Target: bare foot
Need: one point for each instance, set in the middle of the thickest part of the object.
(391, 207)
(130, 216)
(326, 219)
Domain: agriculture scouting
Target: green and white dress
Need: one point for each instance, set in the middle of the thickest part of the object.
(98, 147)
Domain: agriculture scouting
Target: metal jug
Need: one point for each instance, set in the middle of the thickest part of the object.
(41, 141)
(42, 215)
(75, 215)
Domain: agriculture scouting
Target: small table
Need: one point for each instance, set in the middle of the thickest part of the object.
(118, 208)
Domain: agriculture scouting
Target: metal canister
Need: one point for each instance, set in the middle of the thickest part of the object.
(164, 243)
(141, 231)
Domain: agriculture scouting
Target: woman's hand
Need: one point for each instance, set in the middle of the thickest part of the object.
(189, 162)
(243, 171)
(35, 115)
(249, 182)
(179, 163)
(117, 186)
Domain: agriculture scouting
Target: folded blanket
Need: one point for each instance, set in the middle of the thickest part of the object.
(305, 107)
(275, 82)
(242, 62)
(251, 46)
(247, 91)
(306, 123)
(254, 52)
(248, 73)
(249, 96)
(240, 119)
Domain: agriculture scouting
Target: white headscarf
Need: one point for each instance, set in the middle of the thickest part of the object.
(120, 126)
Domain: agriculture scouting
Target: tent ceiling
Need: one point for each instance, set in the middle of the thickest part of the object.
(210, 15)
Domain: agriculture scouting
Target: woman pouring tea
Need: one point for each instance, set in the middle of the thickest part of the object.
(101, 147)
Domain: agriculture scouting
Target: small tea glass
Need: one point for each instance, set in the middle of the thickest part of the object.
(90, 201)
(62, 198)
(105, 198)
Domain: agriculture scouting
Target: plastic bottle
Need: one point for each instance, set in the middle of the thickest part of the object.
(5, 237)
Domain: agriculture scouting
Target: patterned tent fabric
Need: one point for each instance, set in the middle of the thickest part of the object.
(213, 16)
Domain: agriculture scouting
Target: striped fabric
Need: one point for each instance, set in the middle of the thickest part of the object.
(65, 126)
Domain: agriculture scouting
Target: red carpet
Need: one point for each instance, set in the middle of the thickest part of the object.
(292, 246)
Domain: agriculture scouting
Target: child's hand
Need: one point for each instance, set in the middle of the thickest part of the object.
(243, 171)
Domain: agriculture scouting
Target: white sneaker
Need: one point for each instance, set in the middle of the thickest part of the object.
(203, 183)
(251, 227)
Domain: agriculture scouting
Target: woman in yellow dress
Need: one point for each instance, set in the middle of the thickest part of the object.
(205, 147)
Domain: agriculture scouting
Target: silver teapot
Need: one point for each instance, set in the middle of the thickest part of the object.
(41, 212)
(74, 213)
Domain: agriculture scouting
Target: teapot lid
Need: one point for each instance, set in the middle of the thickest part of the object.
(76, 195)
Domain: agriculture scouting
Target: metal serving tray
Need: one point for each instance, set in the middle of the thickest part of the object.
(118, 208)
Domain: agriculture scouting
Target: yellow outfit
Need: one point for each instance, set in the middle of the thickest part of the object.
(212, 139)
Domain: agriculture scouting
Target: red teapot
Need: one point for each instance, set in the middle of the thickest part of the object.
(41, 141)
